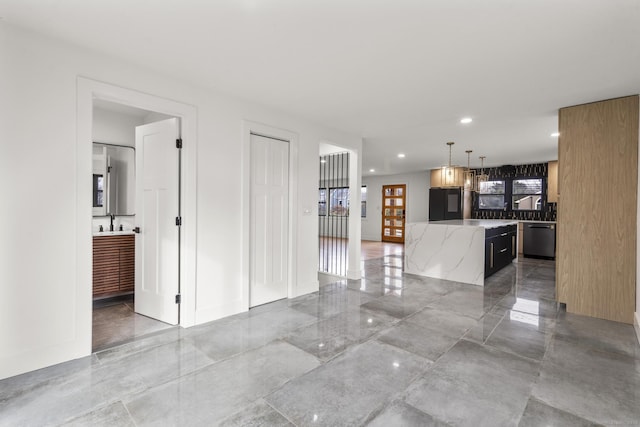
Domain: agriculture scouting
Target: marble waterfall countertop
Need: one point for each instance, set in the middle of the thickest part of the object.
(452, 250)
(484, 223)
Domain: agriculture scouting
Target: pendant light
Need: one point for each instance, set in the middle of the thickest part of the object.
(482, 177)
(450, 175)
(469, 174)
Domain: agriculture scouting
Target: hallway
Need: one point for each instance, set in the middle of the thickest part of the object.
(390, 349)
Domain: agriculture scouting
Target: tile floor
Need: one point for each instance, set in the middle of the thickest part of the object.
(388, 350)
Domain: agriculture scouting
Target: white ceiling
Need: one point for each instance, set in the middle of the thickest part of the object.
(399, 73)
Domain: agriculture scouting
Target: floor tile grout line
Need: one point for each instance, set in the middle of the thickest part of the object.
(551, 334)
(276, 409)
(484, 341)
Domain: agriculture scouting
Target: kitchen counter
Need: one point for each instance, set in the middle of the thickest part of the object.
(484, 223)
(452, 250)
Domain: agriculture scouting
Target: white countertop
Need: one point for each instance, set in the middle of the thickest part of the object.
(485, 223)
(112, 233)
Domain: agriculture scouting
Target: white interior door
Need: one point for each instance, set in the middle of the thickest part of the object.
(157, 206)
(269, 220)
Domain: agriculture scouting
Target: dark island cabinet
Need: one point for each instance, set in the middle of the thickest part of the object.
(500, 248)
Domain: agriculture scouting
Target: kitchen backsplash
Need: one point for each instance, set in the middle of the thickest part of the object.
(509, 172)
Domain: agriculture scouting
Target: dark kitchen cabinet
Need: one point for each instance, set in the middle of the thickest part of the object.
(445, 204)
(500, 248)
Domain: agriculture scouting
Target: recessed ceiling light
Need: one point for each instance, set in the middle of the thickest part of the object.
(401, 155)
(372, 170)
(555, 134)
(466, 120)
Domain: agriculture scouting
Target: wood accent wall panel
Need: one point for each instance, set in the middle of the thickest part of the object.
(552, 183)
(113, 264)
(598, 168)
(521, 238)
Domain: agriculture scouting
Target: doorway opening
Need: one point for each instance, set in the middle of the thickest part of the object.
(119, 208)
(333, 213)
(341, 207)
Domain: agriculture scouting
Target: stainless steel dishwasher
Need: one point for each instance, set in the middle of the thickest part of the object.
(539, 240)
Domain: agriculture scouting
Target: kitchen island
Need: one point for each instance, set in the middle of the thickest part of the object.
(465, 251)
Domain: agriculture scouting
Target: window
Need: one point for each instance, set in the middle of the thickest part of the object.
(322, 202)
(98, 191)
(339, 202)
(491, 195)
(526, 194)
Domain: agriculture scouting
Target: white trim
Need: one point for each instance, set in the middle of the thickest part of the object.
(87, 91)
(249, 127)
(354, 268)
(636, 325)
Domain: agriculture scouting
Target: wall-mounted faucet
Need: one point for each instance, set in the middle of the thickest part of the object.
(111, 218)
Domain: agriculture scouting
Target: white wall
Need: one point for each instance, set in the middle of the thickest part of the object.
(44, 318)
(115, 128)
(417, 200)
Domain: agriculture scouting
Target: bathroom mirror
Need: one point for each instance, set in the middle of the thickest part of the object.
(113, 179)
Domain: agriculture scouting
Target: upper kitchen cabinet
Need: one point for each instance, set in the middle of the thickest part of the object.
(437, 180)
(552, 185)
(598, 178)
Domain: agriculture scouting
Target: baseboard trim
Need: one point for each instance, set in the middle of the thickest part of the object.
(209, 314)
(306, 288)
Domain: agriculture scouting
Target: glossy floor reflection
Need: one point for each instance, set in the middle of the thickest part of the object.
(115, 322)
(388, 350)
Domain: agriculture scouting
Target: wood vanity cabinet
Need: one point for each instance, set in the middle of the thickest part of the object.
(113, 265)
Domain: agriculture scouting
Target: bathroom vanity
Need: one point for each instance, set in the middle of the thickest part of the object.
(113, 263)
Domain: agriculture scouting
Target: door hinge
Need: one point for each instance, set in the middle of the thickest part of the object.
(178, 221)
(178, 299)
(179, 143)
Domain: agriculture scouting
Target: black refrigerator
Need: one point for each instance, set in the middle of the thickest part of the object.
(445, 203)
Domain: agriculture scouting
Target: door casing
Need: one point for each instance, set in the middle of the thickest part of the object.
(269, 189)
(285, 135)
(87, 91)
